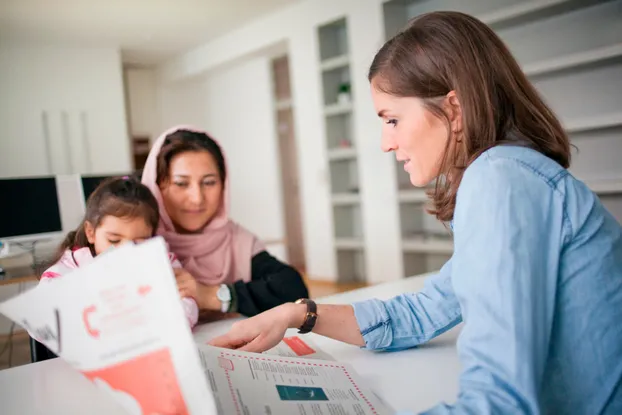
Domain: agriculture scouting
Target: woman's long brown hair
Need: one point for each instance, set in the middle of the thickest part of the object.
(440, 52)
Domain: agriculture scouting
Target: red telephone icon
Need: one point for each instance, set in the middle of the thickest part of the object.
(85, 318)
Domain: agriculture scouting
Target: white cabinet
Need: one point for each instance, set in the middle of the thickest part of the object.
(62, 111)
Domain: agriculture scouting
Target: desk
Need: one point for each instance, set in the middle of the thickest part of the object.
(408, 380)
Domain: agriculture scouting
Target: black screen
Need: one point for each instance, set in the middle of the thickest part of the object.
(28, 207)
(90, 183)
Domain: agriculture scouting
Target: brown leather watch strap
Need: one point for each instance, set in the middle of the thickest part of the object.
(310, 317)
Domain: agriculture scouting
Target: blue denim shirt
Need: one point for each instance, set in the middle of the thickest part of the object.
(536, 275)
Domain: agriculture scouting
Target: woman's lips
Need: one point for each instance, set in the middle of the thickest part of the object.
(194, 211)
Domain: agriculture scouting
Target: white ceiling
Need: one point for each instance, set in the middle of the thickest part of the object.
(147, 31)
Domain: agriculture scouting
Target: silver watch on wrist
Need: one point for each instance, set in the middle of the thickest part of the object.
(224, 295)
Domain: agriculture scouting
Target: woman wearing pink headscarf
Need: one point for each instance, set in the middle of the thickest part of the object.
(225, 267)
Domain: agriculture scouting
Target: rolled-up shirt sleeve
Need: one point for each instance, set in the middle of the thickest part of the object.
(410, 319)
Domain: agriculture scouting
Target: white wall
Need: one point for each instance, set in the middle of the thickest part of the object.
(81, 91)
(182, 103)
(239, 115)
(142, 101)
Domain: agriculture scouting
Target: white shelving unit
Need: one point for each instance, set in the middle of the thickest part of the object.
(593, 123)
(345, 199)
(602, 55)
(346, 153)
(605, 187)
(338, 62)
(567, 48)
(341, 150)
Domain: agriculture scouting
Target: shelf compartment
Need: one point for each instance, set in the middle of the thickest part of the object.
(593, 123)
(339, 128)
(345, 153)
(350, 265)
(428, 245)
(415, 221)
(338, 109)
(417, 264)
(332, 81)
(335, 63)
(606, 186)
(333, 39)
(575, 61)
(349, 244)
(613, 203)
(348, 222)
(345, 199)
(344, 176)
(413, 196)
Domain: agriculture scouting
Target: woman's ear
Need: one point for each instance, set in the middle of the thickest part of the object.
(454, 110)
(89, 231)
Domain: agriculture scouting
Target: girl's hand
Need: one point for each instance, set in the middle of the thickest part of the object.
(264, 331)
(204, 295)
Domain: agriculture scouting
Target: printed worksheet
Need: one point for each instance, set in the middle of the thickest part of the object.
(250, 383)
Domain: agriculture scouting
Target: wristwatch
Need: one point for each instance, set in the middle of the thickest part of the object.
(224, 295)
(310, 315)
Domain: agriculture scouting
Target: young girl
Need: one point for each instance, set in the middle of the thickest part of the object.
(119, 210)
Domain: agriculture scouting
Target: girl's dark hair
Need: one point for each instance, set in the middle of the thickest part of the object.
(183, 141)
(440, 52)
(123, 197)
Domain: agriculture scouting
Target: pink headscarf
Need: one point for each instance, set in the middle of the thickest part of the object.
(222, 252)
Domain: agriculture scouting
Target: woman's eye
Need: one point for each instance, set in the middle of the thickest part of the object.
(392, 121)
(210, 183)
(113, 242)
(180, 184)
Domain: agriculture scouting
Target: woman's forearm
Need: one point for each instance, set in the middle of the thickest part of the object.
(335, 321)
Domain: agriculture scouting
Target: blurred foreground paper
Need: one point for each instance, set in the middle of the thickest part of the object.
(120, 323)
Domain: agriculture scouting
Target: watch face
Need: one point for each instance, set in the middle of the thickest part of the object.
(223, 293)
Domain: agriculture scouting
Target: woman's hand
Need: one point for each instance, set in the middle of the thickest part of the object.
(264, 331)
(204, 295)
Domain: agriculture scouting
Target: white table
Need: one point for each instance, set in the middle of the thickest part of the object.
(408, 380)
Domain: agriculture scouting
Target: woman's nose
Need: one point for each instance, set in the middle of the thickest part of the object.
(196, 195)
(387, 143)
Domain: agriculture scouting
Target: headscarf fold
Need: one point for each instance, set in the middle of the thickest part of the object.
(221, 253)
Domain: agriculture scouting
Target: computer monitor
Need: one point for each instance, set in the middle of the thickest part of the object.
(29, 209)
(90, 183)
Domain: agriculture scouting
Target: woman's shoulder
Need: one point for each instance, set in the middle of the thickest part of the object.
(245, 238)
(510, 178)
(511, 163)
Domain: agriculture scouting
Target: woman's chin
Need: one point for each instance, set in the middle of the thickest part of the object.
(191, 226)
(418, 180)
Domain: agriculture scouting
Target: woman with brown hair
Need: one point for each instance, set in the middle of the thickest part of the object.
(225, 267)
(536, 273)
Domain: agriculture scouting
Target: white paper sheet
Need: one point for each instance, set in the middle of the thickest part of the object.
(119, 321)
